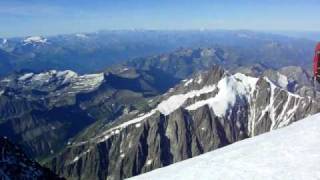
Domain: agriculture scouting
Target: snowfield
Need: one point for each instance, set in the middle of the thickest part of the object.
(291, 153)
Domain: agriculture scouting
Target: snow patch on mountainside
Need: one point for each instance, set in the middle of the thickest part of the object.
(89, 81)
(116, 129)
(67, 75)
(25, 77)
(282, 80)
(174, 102)
(188, 82)
(230, 88)
(291, 153)
(199, 81)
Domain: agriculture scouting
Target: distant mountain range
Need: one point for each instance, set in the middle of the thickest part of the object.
(90, 52)
(311, 35)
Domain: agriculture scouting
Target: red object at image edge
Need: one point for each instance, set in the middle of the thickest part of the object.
(316, 60)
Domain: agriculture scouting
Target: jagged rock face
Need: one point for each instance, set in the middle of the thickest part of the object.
(292, 78)
(298, 80)
(206, 112)
(14, 164)
(41, 111)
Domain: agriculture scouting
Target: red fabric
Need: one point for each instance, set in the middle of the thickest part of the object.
(316, 60)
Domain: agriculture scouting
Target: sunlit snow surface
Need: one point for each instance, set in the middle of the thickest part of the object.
(291, 153)
(174, 102)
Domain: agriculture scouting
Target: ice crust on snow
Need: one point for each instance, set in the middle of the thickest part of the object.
(291, 153)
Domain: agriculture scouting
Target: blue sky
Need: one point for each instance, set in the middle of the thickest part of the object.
(47, 17)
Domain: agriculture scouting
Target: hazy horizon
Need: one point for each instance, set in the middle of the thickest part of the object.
(44, 17)
(311, 35)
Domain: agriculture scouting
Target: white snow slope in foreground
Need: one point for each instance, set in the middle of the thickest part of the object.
(291, 153)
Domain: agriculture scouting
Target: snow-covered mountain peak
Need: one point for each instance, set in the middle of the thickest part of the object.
(57, 82)
(35, 39)
(4, 41)
(81, 35)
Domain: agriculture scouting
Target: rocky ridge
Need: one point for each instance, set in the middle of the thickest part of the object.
(202, 113)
